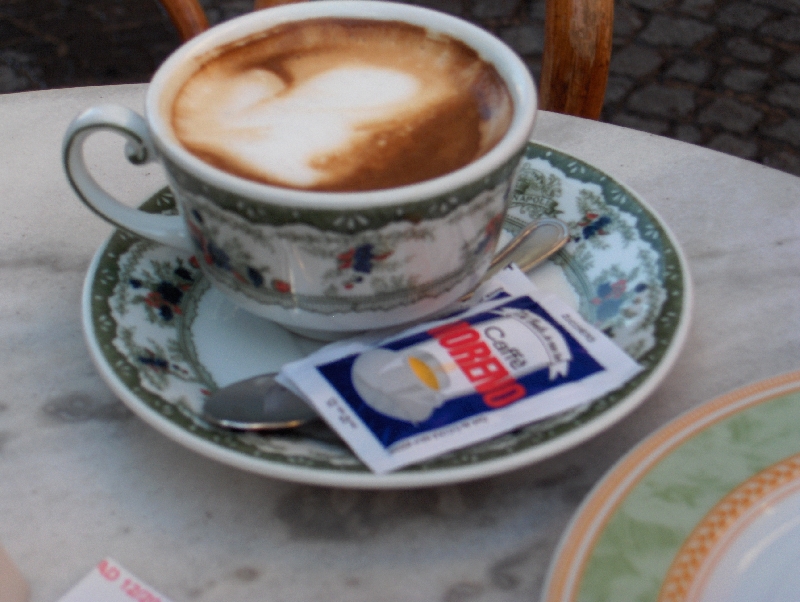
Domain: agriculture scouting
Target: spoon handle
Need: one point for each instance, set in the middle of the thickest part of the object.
(529, 251)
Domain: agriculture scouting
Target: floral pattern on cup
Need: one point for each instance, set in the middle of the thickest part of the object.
(380, 269)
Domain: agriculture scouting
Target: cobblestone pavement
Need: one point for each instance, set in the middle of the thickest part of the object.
(720, 73)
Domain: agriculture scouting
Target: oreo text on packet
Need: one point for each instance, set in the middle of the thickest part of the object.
(490, 377)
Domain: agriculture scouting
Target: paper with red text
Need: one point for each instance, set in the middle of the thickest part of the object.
(110, 582)
(516, 357)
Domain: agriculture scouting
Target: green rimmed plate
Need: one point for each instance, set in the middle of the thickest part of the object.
(706, 508)
(163, 338)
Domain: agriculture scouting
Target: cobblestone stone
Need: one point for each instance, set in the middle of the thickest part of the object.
(789, 6)
(654, 126)
(693, 71)
(787, 29)
(19, 72)
(649, 4)
(688, 133)
(525, 39)
(787, 131)
(697, 8)
(626, 21)
(671, 31)
(744, 15)
(11, 81)
(785, 161)
(483, 9)
(745, 80)
(733, 145)
(453, 7)
(617, 88)
(635, 61)
(792, 67)
(720, 73)
(662, 101)
(731, 115)
(742, 48)
(786, 95)
(538, 10)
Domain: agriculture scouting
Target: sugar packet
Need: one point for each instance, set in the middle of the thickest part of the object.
(515, 357)
(109, 581)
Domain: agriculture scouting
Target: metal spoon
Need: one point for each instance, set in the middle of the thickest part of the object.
(532, 245)
(261, 404)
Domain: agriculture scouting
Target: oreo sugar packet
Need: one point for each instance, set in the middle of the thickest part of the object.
(515, 357)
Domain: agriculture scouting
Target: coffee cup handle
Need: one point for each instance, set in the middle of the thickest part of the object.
(166, 229)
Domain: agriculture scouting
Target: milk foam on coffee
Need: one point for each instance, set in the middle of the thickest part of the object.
(342, 104)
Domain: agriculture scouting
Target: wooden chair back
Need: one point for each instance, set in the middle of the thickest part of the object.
(577, 49)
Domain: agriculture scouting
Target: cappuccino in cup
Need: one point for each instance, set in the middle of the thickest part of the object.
(342, 104)
(336, 166)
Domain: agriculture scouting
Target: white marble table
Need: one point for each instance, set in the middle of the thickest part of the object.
(81, 478)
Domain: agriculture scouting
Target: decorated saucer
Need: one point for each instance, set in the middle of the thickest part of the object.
(706, 508)
(163, 338)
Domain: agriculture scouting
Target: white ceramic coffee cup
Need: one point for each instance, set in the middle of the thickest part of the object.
(320, 263)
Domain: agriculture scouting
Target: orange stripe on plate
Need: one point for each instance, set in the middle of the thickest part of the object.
(622, 478)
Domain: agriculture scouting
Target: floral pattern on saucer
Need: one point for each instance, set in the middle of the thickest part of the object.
(142, 302)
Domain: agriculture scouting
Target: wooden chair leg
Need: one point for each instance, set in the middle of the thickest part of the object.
(259, 4)
(187, 16)
(578, 37)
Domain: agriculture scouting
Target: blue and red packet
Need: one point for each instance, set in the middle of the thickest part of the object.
(513, 358)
